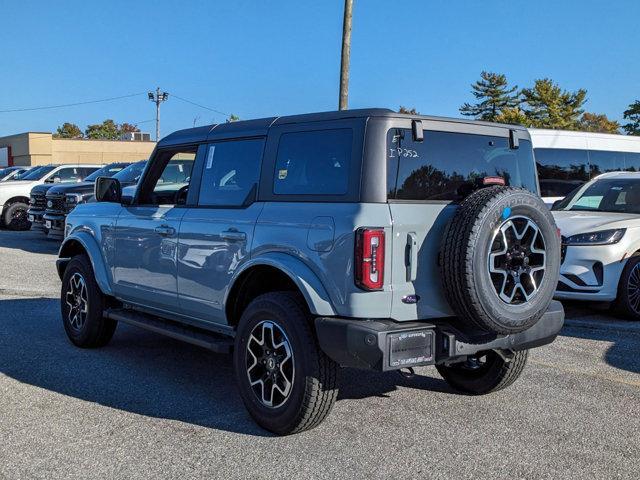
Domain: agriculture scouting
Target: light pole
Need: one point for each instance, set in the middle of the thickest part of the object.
(346, 55)
(158, 98)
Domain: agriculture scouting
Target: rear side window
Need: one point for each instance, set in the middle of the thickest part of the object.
(313, 163)
(231, 173)
(446, 165)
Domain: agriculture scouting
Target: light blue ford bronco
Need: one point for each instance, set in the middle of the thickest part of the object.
(363, 238)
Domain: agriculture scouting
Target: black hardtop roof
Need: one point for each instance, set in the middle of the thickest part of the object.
(260, 126)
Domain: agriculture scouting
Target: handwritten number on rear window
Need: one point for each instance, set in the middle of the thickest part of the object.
(403, 152)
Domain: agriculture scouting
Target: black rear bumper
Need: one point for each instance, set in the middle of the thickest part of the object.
(388, 345)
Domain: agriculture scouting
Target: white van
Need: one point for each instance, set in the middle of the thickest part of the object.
(568, 159)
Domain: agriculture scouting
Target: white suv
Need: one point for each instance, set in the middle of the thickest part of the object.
(600, 226)
(14, 194)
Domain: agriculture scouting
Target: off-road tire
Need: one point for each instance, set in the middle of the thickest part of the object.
(15, 217)
(623, 305)
(494, 376)
(464, 261)
(314, 389)
(96, 330)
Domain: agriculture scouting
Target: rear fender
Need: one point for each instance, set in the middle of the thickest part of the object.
(305, 279)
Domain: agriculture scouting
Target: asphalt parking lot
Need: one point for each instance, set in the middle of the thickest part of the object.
(148, 406)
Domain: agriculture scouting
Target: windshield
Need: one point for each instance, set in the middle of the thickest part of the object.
(107, 171)
(620, 195)
(132, 173)
(35, 174)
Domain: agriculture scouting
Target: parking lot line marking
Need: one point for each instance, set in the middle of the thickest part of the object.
(612, 378)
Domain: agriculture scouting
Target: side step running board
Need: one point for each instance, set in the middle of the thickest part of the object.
(195, 336)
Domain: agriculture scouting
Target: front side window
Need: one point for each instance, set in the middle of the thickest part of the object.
(231, 173)
(313, 163)
(447, 166)
(67, 174)
(167, 182)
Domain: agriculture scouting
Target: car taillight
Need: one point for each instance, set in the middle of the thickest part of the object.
(369, 258)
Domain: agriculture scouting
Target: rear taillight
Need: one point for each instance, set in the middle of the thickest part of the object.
(369, 258)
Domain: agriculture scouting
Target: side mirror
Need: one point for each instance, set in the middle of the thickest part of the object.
(108, 190)
(555, 204)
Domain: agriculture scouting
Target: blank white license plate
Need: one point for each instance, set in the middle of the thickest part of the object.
(48, 223)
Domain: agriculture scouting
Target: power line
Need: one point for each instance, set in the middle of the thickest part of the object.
(198, 105)
(50, 107)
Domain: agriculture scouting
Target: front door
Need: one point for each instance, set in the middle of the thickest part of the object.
(146, 233)
(216, 234)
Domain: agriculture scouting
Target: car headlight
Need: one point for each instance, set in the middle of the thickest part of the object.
(74, 199)
(603, 237)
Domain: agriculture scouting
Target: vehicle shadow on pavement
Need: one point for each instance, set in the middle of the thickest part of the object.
(146, 373)
(137, 372)
(359, 384)
(32, 241)
(624, 336)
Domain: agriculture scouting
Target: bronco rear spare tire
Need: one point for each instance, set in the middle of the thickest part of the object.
(499, 260)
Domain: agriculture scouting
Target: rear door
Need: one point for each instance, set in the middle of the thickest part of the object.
(216, 234)
(426, 181)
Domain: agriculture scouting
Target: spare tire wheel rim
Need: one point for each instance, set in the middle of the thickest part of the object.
(270, 364)
(517, 260)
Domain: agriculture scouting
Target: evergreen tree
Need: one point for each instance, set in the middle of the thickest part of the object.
(494, 97)
(633, 115)
(548, 106)
(513, 116)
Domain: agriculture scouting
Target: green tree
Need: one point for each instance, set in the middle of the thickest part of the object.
(494, 97)
(233, 118)
(127, 128)
(633, 115)
(513, 116)
(546, 105)
(593, 122)
(408, 111)
(107, 130)
(68, 130)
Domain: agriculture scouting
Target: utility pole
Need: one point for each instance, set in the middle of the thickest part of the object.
(158, 98)
(346, 55)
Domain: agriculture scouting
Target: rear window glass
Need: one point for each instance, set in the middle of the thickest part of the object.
(313, 163)
(447, 166)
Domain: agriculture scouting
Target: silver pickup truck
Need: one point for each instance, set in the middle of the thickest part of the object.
(364, 238)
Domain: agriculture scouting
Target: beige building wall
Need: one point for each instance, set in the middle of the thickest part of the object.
(40, 148)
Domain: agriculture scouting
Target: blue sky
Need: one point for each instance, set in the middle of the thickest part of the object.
(262, 58)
